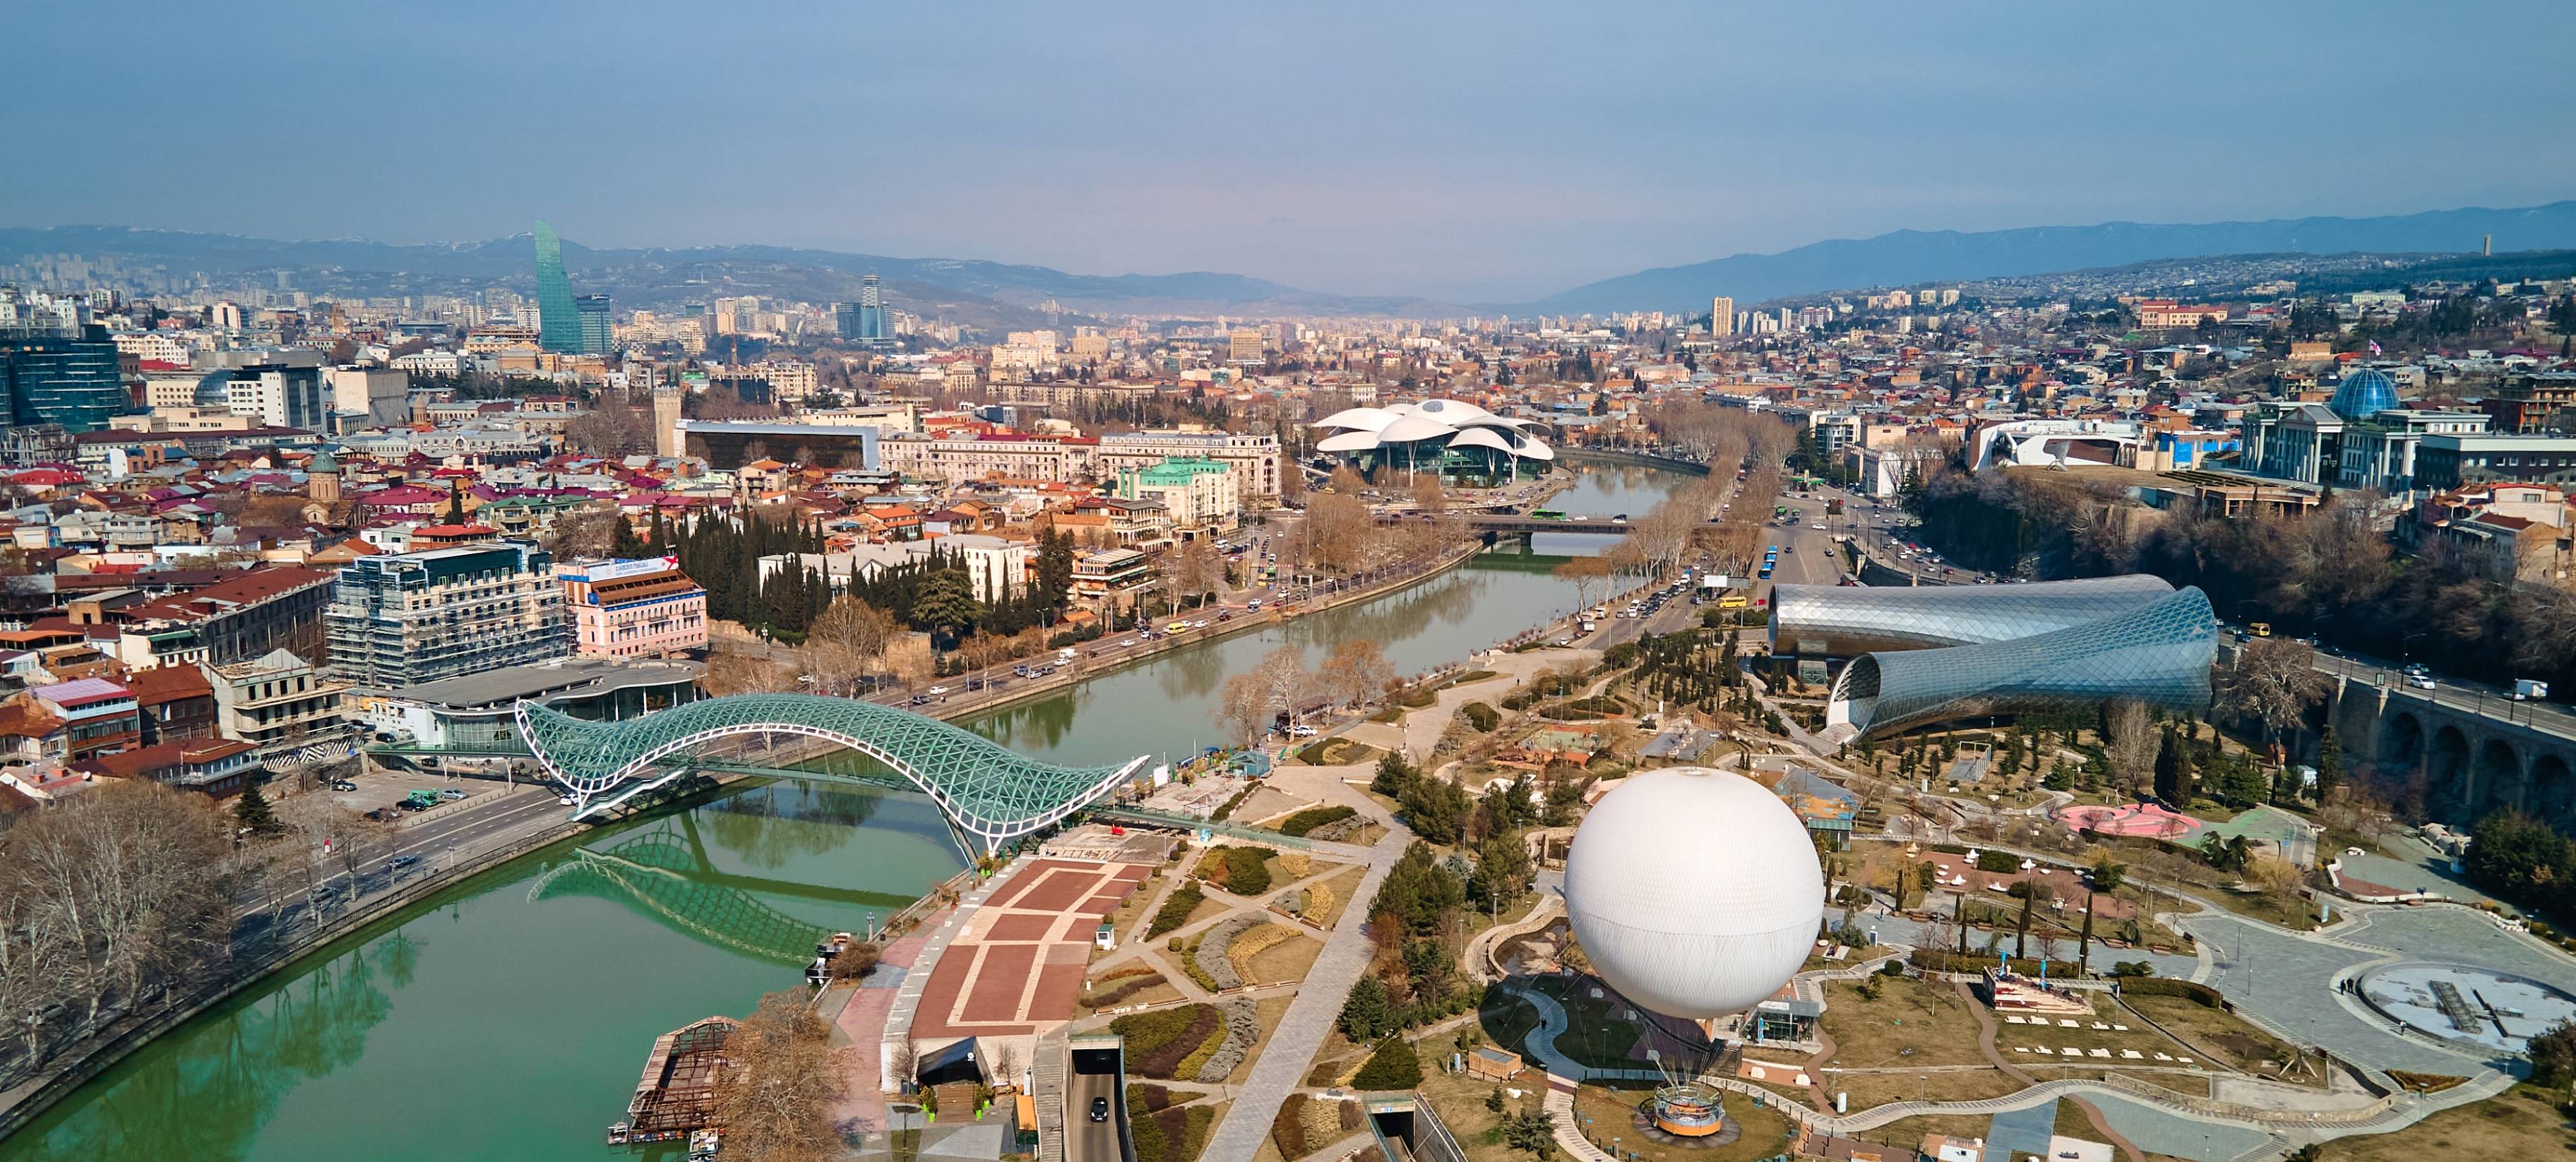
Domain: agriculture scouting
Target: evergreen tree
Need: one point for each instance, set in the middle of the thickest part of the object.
(624, 545)
(946, 602)
(455, 502)
(2329, 762)
(251, 810)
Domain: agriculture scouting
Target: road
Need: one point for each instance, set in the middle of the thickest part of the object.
(489, 820)
(1084, 1139)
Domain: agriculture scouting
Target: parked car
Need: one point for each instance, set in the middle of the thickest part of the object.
(343, 785)
(1301, 730)
(452, 794)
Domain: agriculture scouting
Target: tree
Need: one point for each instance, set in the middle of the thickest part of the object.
(2228, 853)
(1367, 1014)
(1436, 810)
(1587, 575)
(1428, 497)
(946, 602)
(2129, 744)
(1196, 569)
(2517, 856)
(1355, 671)
(2173, 770)
(1394, 1066)
(775, 1096)
(847, 639)
(2553, 1056)
(2329, 762)
(2104, 876)
(1345, 481)
(252, 811)
(1503, 870)
(1054, 568)
(2273, 682)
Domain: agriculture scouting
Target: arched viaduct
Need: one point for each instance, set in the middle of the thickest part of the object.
(2476, 755)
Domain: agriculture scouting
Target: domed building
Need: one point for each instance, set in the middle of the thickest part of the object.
(2363, 394)
(1459, 440)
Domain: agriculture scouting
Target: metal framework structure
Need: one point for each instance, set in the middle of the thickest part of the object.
(653, 873)
(2158, 654)
(987, 790)
(1847, 621)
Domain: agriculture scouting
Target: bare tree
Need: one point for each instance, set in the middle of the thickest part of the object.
(1355, 671)
(2129, 745)
(1428, 496)
(776, 1093)
(1588, 575)
(2273, 681)
(848, 640)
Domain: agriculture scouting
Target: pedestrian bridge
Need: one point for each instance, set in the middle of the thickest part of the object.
(986, 789)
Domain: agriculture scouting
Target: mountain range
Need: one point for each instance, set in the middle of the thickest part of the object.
(997, 294)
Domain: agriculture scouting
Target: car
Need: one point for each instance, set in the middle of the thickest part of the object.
(2417, 669)
(936, 691)
(1819, 527)
(920, 700)
(388, 814)
(343, 785)
(1301, 730)
(412, 805)
(563, 800)
(1100, 1109)
(400, 862)
(2421, 682)
(451, 794)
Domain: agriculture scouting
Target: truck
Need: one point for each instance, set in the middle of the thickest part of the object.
(2528, 690)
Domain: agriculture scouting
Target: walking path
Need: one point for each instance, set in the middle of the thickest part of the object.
(1301, 1031)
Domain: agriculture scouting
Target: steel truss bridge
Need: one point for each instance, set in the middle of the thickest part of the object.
(987, 790)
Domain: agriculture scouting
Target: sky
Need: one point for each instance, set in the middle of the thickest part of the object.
(1469, 152)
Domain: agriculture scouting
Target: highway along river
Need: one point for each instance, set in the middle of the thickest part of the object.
(506, 1018)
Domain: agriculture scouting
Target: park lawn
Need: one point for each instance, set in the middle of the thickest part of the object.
(2218, 1035)
(1285, 961)
(1338, 752)
(1343, 884)
(1269, 1011)
(1460, 1100)
(1508, 1022)
(1599, 1030)
(1131, 914)
(1603, 1113)
(2139, 1036)
(2518, 1123)
(1878, 1089)
(1913, 1022)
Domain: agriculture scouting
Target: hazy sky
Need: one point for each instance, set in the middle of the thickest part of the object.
(1486, 151)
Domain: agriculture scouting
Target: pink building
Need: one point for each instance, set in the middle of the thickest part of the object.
(644, 608)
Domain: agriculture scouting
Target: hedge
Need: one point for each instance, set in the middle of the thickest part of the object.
(1176, 909)
(1172, 1135)
(1314, 817)
(1930, 960)
(2159, 986)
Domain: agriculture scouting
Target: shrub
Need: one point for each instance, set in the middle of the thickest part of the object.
(1289, 1128)
(1159, 1041)
(1176, 909)
(1393, 1066)
(1932, 960)
(1998, 861)
(1245, 872)
(1313, 817)
(1228, 807)
(1481, 716)
(1417, 699)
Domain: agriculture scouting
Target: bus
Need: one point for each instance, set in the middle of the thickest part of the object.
(1546, 514)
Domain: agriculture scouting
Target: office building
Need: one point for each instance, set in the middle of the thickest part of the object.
(56, 366)
(643, 608)
(373, 397)
(278, 395)
(403, 619)
(1201, 495)
(558, 318)
(595, 330)
(2448, 461)
(864, 322)
(1721, 317)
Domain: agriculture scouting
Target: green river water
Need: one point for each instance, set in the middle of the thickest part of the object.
(506, 1018)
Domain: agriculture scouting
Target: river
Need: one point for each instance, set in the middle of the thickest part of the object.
(507, 1017)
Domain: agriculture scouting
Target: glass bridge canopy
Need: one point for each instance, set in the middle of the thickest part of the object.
(986, 789)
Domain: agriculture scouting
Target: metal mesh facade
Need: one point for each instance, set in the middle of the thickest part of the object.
(1847, 620)
(988, 790)
(2159, 654)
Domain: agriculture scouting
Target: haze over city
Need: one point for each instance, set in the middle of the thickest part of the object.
(1469, 153)
(1452, 583)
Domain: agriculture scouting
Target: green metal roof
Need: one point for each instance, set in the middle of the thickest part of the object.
(987, 789)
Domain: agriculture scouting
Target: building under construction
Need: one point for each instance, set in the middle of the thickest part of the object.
(677, 1094)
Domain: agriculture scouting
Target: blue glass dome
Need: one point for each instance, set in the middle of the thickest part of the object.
(2363, 394)
(211, 389)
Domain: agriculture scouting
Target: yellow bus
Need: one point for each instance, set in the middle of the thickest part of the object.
(1731, 601)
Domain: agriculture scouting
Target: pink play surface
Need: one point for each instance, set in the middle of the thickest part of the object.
(2145, 819)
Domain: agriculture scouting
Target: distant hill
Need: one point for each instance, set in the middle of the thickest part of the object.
(645, 277)
(1915, 256)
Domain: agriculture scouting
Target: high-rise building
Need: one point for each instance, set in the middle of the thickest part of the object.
(558, 318)
(56, 366)
(595, 331)
(875, 330)
(1721, 317)
(403, 619)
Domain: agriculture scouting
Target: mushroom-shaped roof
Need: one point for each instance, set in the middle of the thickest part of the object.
(1357, 440)
(1482, 438)
(1407, 429)
(1533, 450)
(1447, 411)
(1360, 419)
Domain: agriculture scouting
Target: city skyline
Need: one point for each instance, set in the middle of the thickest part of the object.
(1518, 159)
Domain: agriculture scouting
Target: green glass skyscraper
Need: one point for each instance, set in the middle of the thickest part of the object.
(558, 321)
